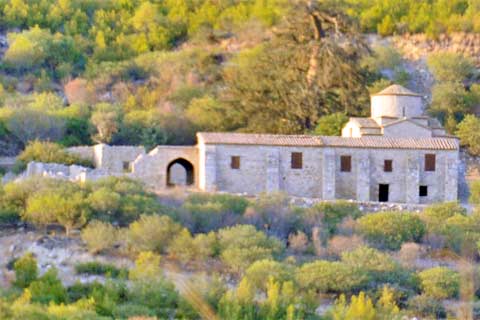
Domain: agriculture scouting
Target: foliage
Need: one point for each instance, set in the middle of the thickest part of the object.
(242, 245)
(299, 96)
(435, 215)
(260, 270)
(26, 270)
(147, 267)
(468, 131)
(48, 288)
(152, 233)
(331, 214)
(66, 206)
(327, 276)
(391, 229)
(426, 306)
(439, 282)
(331, 125)
(447, 66)
(49, 152)
(98, 268)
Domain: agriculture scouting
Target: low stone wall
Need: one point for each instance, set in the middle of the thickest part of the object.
(370, 206)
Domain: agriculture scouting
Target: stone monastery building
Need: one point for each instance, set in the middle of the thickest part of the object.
(396, 155)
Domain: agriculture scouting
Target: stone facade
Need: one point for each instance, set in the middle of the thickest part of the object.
(268, 168)
(398, 155)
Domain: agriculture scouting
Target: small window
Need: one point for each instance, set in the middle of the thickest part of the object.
(423, 191)
(430, 162)
(235, 162)
(127, 166)
(388, 165)
(345, 163)
(297, 160)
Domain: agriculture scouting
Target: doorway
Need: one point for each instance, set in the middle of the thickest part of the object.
(180, 173)
(383, 192)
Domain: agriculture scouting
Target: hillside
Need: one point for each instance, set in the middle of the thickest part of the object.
(97, 230)
(80, 73)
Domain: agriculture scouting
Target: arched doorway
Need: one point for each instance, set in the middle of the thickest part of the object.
(180, 173)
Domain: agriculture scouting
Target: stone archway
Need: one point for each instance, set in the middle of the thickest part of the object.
(175, 176)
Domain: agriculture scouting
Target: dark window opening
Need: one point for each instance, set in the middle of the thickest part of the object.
(430, 162)
(423, 191)
(127, 166)
(297, 160)
(235, 162)
(187, 179)
(383, 190)
(388, 165)
(345, 163)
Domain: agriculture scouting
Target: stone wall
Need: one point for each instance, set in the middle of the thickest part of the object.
(152, 168)
(268, 168)
(265, 169)
(406, 129)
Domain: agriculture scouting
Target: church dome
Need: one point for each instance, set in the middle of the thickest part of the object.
(395, 102)
(396, 90)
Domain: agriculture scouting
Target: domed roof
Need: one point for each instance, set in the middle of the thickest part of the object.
(396, 90)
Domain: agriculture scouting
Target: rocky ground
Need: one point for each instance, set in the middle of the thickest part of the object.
(49, 250)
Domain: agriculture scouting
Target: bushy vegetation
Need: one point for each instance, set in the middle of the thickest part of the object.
(391, 229)
(330, 250)
(48, 152)
(98, 268)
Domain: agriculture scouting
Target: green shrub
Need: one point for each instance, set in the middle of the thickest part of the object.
(331, 214)
(475, 191)
(439, 282)
(227, 202)
(48, 288)
(242, 245)
(468, 131)
(98, 268)
(260, 271)
(99, 236)
(327, 276)
(157, 295)
(378, 265)
(130, 311)
(391, 229)
(26, 270)
(331, 125)
(152, 233)
(435, 215)
(122, 200)
(67, 207)
(426, 306)
(80, 290)
(48, 152)
(448, 66)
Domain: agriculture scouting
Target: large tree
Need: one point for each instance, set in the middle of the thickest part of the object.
(307, 69)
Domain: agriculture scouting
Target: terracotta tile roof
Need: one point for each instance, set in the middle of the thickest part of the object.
(259, 139)
(365, 122)
(393, 143)
(377, 142)
(397, 90)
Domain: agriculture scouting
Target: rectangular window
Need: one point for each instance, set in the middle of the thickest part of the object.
(235, 162)
(297, 160)
(127, 166)
(388, 165)
(423, 191)
(345, 163)
(430, 162)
